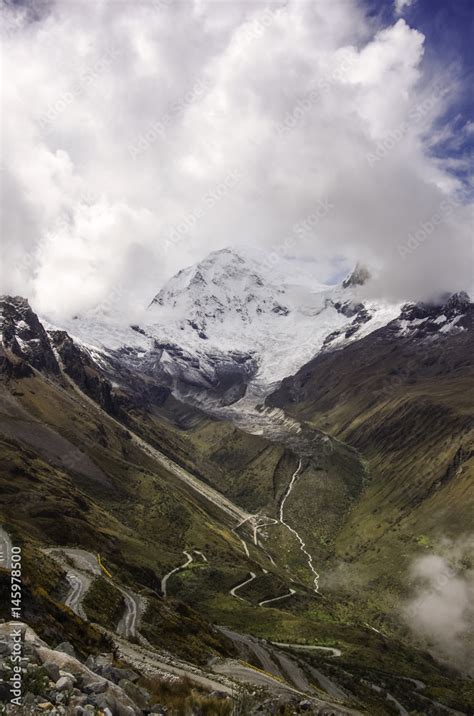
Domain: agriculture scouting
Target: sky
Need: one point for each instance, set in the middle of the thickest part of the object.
(139, 136)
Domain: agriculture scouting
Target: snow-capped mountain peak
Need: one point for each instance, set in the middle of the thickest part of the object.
(230, 323)
(230, 301)
(218, 294)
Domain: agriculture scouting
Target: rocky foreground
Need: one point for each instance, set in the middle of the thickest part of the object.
(37, 679)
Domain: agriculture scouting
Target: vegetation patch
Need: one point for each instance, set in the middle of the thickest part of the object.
(104, 603)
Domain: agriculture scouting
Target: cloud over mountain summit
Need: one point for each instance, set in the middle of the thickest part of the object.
(141, 136)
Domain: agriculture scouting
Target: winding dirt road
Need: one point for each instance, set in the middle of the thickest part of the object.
(281, 672)
(294, 673)
(79, 586)
(232, 511)
(180, 567)
(164, 581)
(331, 650)
(277, 599)
(135, 606)
(86, 569)
(245, 642)
(327, 684)
(79, 578)
(232, 592)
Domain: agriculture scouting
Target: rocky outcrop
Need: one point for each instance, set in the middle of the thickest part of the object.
(24, 341)
(358, 277)
(223, 377)
(83, 371)
(453, 305)
(360, 316)
(57, 683)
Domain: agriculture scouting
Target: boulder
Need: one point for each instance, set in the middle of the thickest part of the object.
(90, 662)
(117, 703)
(52, 670)
(97, 687)
(28, 699)
(119, 674)
(86, 677)
(140, 696)
(64, 683)
(66, 648)
(104, 659)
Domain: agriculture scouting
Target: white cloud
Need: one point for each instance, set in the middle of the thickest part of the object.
(303, 105)
(441, 611)
(400, 5)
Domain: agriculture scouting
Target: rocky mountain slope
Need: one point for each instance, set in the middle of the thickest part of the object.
(148, 518)
(103, 521)
(402, 397)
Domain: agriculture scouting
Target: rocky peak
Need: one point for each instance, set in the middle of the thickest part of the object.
(24, 341)
(236, 302)
(223, 287)
(452, 313)
(457, 304)
(450, 306)
(358, 277)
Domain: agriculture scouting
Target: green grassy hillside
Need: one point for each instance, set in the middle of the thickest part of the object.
(406, 406)
(74, 476)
